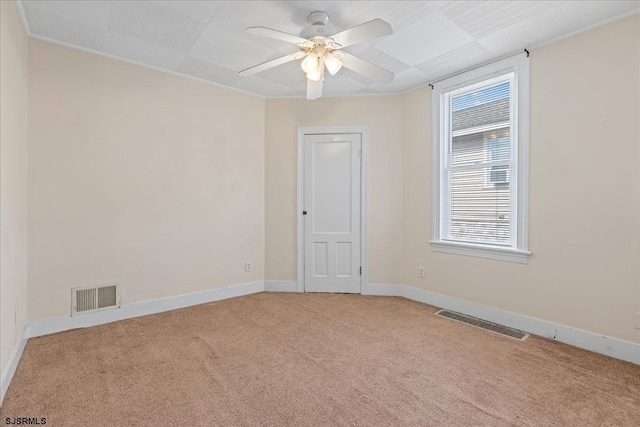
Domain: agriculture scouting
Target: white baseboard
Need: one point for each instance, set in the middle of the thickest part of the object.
(608, 346)
(129, 311)
(16, 354)
(280, 286)
(381, 290)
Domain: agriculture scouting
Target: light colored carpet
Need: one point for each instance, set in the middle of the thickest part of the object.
(315, 360)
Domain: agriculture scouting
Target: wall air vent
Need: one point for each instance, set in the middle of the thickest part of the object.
(503, 330)
(90, 300)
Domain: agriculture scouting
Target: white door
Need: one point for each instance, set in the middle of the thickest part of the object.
(332, 213)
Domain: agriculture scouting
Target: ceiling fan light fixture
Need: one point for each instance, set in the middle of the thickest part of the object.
(318, 50)
(310, 63)
(333, 63)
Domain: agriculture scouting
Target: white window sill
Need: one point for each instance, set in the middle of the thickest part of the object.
(481, 251)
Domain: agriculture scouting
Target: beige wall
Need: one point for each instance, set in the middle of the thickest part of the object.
(13, 179)
(584, 192)
(138, 177)
(383, 115)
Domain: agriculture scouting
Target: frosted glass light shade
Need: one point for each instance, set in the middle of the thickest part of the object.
(310, 63)
(333, 63)
(316, 76)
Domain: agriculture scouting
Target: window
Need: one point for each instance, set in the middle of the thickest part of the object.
(481, 162)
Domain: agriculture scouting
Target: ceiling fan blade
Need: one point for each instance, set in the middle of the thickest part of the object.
(270, 64)
(314, 89)
(363, 32)
(365, 68)
(275, 34)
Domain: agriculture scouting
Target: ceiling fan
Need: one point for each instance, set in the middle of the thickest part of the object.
(321, 51)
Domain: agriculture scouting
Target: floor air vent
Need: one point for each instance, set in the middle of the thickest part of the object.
(513, 333)
(89, 300)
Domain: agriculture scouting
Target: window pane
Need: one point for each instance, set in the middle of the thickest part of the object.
(479, 196)
(479, 205)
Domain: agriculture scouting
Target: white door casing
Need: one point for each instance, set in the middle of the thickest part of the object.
(330, 195)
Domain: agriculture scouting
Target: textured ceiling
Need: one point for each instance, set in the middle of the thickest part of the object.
(206, 39)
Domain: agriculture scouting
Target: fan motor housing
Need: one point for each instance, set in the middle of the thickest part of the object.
(318, 20)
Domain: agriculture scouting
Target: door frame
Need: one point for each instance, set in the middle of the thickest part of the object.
(364, 189)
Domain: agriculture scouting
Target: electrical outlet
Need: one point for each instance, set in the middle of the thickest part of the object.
(248, 267)
(421, 272)
(637, 320)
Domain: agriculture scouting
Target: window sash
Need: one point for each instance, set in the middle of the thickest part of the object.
(446, 152)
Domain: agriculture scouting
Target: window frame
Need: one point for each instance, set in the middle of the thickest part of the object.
(518, 250)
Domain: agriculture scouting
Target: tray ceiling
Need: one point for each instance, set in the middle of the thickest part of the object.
(206, 39)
